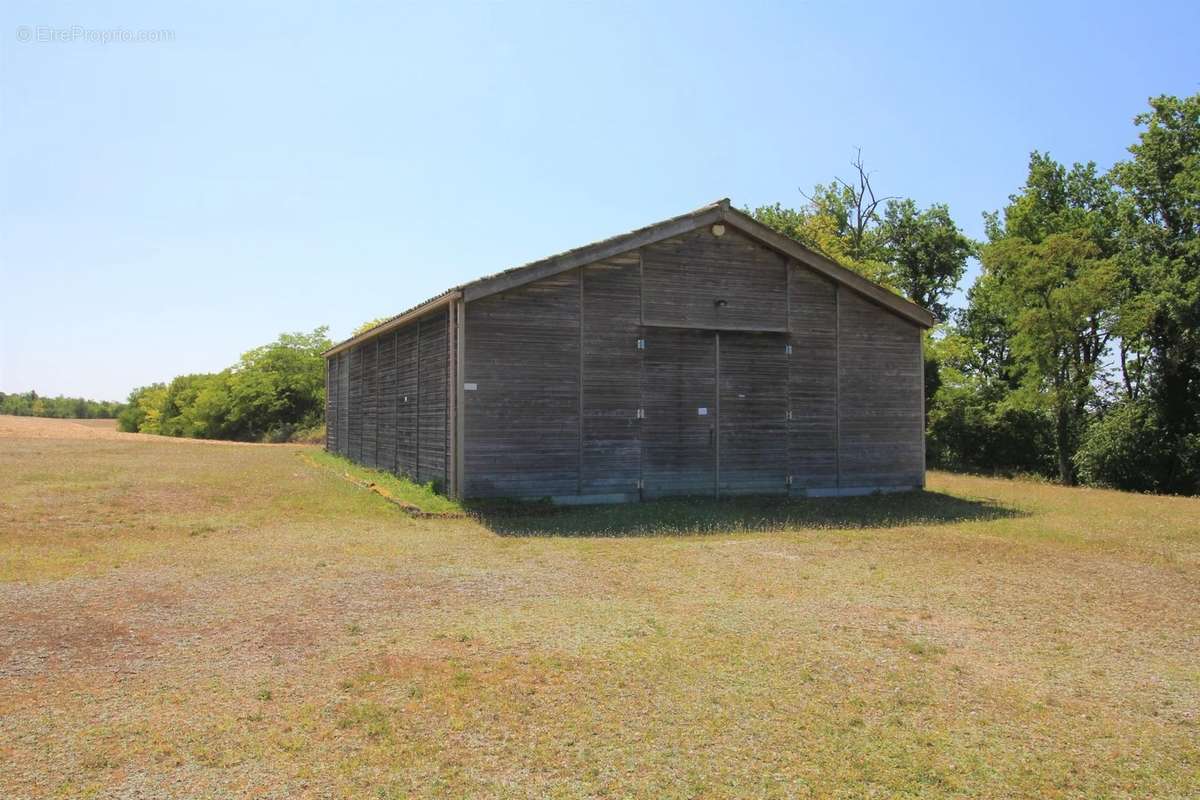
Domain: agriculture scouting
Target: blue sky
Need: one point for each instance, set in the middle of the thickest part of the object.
(167, 205)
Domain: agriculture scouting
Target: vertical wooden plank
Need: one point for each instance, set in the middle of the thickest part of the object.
(356, 404)
(417, 411)
(611, 374)
(451, 352)
(385, 441)
(717, 414)
(376, 396)
(407, 397)
(460, 405)
(370, 399)
(921, 363)
(812, 383)
(641, 288)
(329, 402)
(396, 395)
(787, 270)
(837, 392)
(579, 405)
(344, 402)
(431, 463)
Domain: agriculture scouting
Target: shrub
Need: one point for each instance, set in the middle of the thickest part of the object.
(1128, 449)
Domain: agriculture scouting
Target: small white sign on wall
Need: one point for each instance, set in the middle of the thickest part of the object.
(470, 387)
(702, 412)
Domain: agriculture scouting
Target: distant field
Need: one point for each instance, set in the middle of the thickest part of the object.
(184, 619)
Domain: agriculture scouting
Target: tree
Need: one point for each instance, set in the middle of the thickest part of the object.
(272, 391)
(371, 323)
(1049, 276)
(1160, 261)
(926, 251)
(279, 387)
(919, 254)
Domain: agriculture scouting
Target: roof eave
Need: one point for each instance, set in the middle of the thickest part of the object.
(395, 322)
(597, 251)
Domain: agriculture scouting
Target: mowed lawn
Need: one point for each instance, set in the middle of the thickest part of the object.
(181, 619)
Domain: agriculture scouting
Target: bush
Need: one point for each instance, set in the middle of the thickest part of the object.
(272, 394)
(1127, 449)
(968, 431)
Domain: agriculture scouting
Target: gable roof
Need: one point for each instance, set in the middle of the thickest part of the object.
(720, 211)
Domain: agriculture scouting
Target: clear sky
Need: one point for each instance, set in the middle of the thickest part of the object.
(169, 204)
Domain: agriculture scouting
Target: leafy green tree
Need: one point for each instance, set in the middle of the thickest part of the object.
(925, 251)
(1049, 277)
(1160, 261)
(31, 404)
(280, 386)
(919, 254)
(371, 323)
(133, 415)
(272, 391)
(970, 426)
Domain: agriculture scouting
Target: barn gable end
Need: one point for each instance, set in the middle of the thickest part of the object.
(699, 355)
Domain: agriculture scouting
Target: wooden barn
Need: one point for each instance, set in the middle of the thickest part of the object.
(706, 354)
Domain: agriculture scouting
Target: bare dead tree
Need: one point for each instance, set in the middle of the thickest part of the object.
(864, 207)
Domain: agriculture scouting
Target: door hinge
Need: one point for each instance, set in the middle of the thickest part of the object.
(787, 349)
(641, 344)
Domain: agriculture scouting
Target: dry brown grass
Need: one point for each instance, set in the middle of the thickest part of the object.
(181, 620)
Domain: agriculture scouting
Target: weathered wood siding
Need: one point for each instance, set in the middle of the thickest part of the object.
(331, 407)
(685, 275)
(356, 405)
(370, 402)
(612, 377)
(386, 404)
(431, 389)
(406, 400)
(812, 381)
(522, 403)
(881, 420)
(752, 416)
(796, 381)
(680, 396)
(343, 403)
(385, 452)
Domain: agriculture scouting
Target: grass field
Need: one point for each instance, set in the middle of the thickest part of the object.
(180, 619)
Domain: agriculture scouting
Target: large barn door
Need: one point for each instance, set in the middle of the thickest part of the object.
(752, 416)
(679, 396)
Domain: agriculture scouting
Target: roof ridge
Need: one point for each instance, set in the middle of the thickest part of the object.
(718, 210)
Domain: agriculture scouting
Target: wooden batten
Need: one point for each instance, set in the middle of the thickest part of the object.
(460, 372)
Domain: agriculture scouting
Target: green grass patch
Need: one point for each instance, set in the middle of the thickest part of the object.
(408, 494)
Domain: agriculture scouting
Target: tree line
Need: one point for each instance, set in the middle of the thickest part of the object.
(1077, 354)
(31, 404)
(274, 393)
